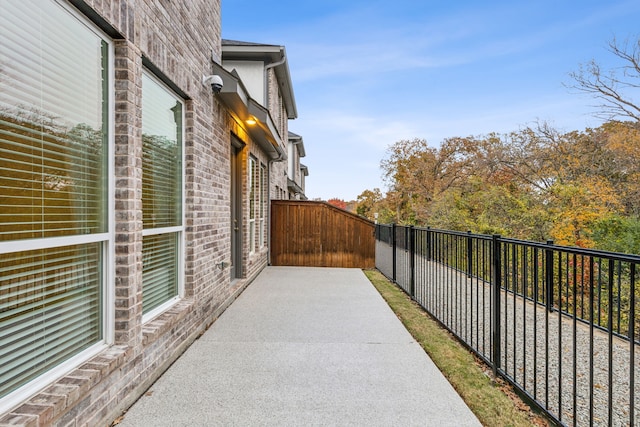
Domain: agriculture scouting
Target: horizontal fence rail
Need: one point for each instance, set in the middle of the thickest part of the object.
(559, 323)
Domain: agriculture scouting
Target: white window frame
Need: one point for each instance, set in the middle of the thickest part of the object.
(264, 205)
(179, 230)
(107, 239)
(257, 184)
(251, 194)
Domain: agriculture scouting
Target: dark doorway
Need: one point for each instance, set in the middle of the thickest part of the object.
(236, 209)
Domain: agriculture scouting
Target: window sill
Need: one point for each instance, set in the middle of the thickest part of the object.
(163, 322)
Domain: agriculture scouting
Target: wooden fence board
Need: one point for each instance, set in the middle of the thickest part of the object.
(316, 234)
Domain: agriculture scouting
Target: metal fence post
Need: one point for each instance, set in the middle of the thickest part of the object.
(632, 356)
(548, 274)
(393, 252)
(428, 254)
(412, 261)
(496, 283)
(469, 254)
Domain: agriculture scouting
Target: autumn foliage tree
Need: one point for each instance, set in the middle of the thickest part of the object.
(418, 174)
(536, 183)
(578, 188)
(339, 203)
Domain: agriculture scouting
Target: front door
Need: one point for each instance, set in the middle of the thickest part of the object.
(236, 211)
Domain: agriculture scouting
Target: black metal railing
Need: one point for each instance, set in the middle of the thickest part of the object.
(560, 323)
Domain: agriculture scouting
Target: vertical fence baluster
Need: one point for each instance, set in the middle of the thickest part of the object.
(412, 261)
(535, 323)
(406, 277)
(575, 340)
(450, 288)
(525, 287)
(435, 247)
(458, 284)
(591, 320)
(582, 279)
(599, 310)
(619, 296)
(567, 281)
(394, 256)
(548, 272)
(632, 343)
(419, 262)
(475, 320)
(496, 285)
(549, 275)
(483, 276)
(610, 327)
(514, 284)
(469, 254)
(559, 344)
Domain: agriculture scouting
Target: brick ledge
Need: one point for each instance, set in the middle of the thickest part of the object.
(47, 405)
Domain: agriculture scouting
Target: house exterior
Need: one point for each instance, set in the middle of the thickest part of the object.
(134, 199)
(264, 71)
(296, 171)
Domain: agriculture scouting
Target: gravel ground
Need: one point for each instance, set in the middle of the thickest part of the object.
(550, 355)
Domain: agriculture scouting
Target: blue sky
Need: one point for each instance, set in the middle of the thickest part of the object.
(369, 73)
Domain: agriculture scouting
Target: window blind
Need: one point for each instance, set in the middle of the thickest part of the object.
(52, 127)
(159, 270)
(50, 309)
(161, 192)
(53, 183)
(160, 182)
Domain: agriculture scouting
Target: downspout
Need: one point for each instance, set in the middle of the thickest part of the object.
(281, 156)
(266, 77)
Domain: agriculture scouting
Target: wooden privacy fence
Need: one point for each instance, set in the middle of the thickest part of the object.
(316, 234)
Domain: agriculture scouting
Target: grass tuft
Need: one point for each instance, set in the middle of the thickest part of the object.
(491, 399)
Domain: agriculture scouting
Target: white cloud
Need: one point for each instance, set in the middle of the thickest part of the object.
(338, 126)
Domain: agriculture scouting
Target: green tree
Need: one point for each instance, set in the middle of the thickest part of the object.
(618, 234)
(369, 202)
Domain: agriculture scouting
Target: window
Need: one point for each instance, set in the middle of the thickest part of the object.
(162, 116)
(254, 191)
(263, 204)
(54, 187)
(258, 187)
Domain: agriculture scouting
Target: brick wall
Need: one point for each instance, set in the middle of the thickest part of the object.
(176, 40)
(279, 115)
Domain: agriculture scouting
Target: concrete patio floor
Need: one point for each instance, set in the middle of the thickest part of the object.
(303, 347)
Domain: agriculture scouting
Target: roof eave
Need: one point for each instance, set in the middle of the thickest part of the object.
(295, 188)
(286, 85)
(236, 97)
(298, 142)
(269, 54)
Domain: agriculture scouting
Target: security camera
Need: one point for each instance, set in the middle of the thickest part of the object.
(215, 81)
